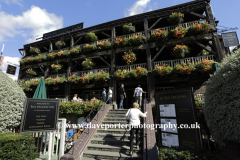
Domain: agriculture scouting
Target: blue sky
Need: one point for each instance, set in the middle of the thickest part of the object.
(22, 21)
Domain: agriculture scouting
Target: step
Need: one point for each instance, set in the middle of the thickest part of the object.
(118, 110)
(115, 136)
(113, 148)
(87, 158)
(111, 155)
(117, 113)
(115, 119)
(116, 131)
(111, 141)
(115, 116)
(114, 122)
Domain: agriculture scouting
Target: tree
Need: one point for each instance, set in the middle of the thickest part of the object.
(12, 100)
(222, 101)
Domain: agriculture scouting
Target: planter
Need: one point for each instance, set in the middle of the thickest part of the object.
(91, 37)
(128, 29)
(176, 21)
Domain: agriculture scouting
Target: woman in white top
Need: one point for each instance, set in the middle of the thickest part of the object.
(134, 123)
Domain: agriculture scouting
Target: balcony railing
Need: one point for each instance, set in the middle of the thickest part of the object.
(171, 63)
(80, 73)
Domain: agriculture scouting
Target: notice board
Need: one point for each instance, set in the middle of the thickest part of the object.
(177, 107)
(40, 115)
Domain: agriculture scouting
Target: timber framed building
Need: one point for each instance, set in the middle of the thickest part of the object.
(149, 54)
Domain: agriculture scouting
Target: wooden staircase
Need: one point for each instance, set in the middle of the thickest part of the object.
(113, 143)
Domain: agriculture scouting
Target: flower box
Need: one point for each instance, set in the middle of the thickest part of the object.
(89, 48)
(91, 37)
(60, 44)
(75, 50)
(128, 28)
(51, 56)
(137, 40)
(120, 42)
(176, 18)
(56, 67)
(35, 50)
(104, 45)
(199, 29)
(129, 57)
(162, 71)
(177, 33)
(31, 72)
(159, 36)
(180, 51)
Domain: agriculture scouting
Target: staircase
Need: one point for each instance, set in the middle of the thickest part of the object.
(113, 143)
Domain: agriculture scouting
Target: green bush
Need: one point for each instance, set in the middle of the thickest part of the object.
(222, 100)
(186, 153)
(15, 146)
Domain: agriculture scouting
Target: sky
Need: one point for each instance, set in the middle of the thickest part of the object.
(22, 21)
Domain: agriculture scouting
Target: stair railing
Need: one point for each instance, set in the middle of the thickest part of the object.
(145, 121)
(88, 118)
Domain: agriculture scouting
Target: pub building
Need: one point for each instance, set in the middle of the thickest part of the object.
(165, 49)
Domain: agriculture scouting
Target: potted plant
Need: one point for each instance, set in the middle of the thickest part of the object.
(137, 40)
(31, 72)
(101, 76)
(179, 51)
(128, 28)
(91, 37)
(121, 42)
(52, 55)
(35, 50)
(183, 68)
(89, 48)
(162, 71)
(41, 57)
(121, 75)
(129, 57)
(104, 45)
(176, 18)
(204, 67)
(159, 35)
(88, 63)
(177, 33)
(60, 44)
(56, 67)
(138, 73)
(75, 50)
(199, 29)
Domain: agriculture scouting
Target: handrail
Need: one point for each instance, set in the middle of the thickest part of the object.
(89, 117)
(145, 109)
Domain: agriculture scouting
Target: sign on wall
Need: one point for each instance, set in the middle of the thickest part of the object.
(176, 110)
(11, 69)
(230, 39)
(40, 115)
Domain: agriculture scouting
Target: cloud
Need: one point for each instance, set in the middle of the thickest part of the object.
(31, 24)
(18, 2)
(138, 7)
(9, 60)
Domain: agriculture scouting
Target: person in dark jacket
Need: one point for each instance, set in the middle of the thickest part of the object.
(122, 95)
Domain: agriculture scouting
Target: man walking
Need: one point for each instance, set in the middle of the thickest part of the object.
(110, 95)
(104, 95)
(138, 95)
(122, 94)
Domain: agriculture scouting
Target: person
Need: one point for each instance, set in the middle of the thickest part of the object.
(84, 124)
(138, 95)
(104, 95)
(75, 98)
(122, 94)
(79, 99)
(70, 133)
(93, 99)
(110, 95)
(134, 123)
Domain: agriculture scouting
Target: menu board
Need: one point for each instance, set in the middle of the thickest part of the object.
(40, 115)
(170, 140)
(167, 110)
(11, 69)
(171, 125)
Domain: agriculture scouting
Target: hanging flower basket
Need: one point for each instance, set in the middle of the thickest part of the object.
(41, 57)
(183, 68)
(179, 51)
(137, 40)
(159, 36)
(31, 72)
(177, 33)
(56, 67)
(89, 48)
(199, 29)
(121, 42)
(52, 55)
(60, 44)
(75, 50)
(121, 75)
(91, 37)
(35, 50)
(88, 64)
(129, 57)
(101, 76)
(104, 45)
(128, 28)
(138, 73)
(176, 18)
(162, 71)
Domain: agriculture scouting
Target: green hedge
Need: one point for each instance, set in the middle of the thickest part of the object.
(17, 146)
(186, 153)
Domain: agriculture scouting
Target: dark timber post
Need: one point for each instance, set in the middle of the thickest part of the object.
(216, 43)
(113, 67)
(67, 85)
(20, 75)
(47, 68)
(150, 78)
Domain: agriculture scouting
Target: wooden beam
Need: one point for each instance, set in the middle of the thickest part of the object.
(106, 34)
(71, 42)
(198, 15)
(204, 47)
(42, 70)
(75, 66)
(45, 48)
(159, 52)
(104, 61)
(155, 23)
(78, 40)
